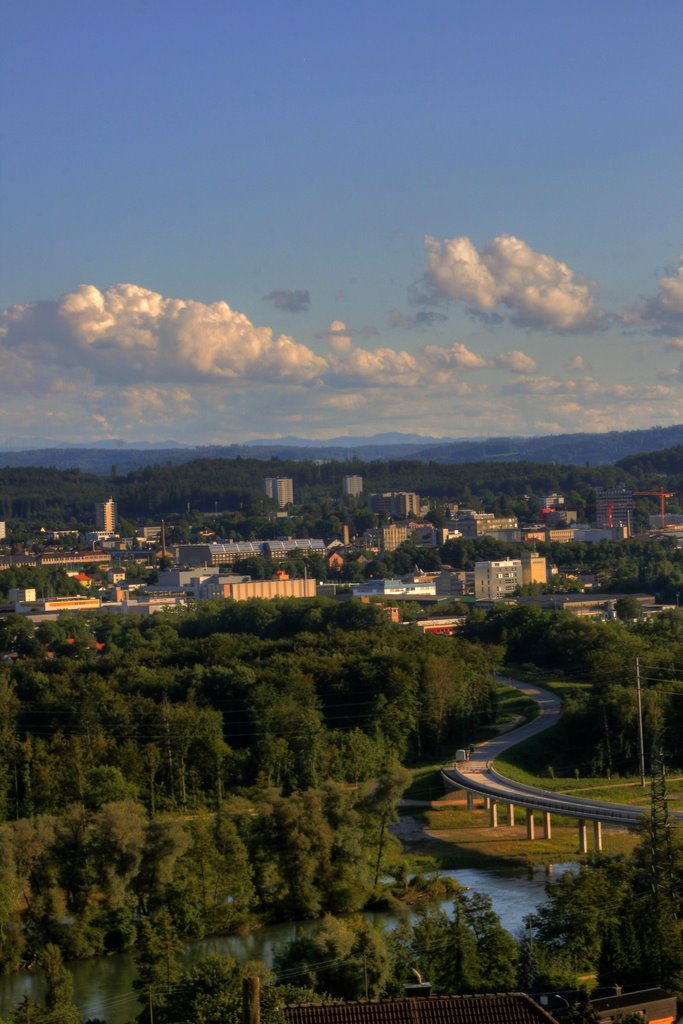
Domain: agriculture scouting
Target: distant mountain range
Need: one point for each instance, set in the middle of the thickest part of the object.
(26, 444)
(567, 449)
(349, 441)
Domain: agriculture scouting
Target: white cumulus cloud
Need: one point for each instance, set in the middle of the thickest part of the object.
(534, 289)
(456, 355)
(516, 362)
(127, 332)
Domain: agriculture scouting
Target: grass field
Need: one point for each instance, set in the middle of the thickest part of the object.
(458, 838)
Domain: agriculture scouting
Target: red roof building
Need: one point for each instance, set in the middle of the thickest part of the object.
(506, 1008)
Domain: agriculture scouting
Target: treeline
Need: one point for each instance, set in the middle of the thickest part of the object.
(66, 498)
(598, 734)
(85, 879)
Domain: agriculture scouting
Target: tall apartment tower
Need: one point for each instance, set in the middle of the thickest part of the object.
(352, 486)
(105, 515)
(280, 489)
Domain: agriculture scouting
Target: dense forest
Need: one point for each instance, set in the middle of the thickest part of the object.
(266, 716)
(66, 498)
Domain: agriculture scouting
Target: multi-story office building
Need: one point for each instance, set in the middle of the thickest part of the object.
(496, 580)
(395, 503)
(280, 489)
(474, 524)
(614, 507)
(352, 486)
(106, 516)
(386, 538)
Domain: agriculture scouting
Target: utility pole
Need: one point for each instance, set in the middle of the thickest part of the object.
(641, 743)
(251, 1000)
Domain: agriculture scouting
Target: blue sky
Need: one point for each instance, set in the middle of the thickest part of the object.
(230, 220)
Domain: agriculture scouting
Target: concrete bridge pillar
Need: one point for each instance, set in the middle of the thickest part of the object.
(470, 800)
(583, 837)
(530, 824)
(547, 827)
(597, 834)
(487, 802)
(511, 814)
(494, 814)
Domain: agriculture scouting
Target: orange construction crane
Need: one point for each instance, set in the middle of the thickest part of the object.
(661, 494)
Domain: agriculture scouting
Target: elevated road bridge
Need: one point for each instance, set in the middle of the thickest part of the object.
(478, 777)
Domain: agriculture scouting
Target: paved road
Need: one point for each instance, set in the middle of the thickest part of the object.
(479, 776)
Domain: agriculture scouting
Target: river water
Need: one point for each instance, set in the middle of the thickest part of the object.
(104, 988)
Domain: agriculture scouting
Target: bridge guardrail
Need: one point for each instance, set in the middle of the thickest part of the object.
(612, 813)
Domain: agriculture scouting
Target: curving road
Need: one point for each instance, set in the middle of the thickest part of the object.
(479, 776)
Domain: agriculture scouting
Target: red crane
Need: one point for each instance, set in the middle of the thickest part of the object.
(661, 494)
(609, 509)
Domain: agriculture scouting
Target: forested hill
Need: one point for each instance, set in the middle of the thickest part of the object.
(567, 449)
(575, 449)
(668, 463)
(51, 497)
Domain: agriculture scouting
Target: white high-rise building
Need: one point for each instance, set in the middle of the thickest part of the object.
(352, 486)
(3, 532)
(280, 489)
(106, 516)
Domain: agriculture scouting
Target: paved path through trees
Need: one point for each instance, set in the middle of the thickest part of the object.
(478, 776)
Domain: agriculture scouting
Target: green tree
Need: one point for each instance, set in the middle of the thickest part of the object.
(118, 846)
(60, 1007)
(380, 806)
(106, 784)
(156, 960)
(628, 608)
(346, 959)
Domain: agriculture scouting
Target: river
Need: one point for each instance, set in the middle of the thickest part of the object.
(104, 988)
